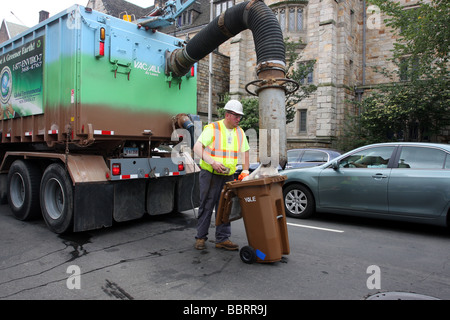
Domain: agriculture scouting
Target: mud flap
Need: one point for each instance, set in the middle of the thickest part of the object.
(161, 195)
(129, 200)
(3, 188)
(188, 192)
(93, 206)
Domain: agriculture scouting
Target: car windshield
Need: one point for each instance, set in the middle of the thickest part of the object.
(314, 156)
(293, 155)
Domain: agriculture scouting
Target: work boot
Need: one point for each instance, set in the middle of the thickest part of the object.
(200, 244)
(227, 245)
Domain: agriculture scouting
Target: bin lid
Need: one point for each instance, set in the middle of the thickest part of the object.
(256, 182)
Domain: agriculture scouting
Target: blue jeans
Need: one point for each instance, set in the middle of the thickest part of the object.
(211, 186)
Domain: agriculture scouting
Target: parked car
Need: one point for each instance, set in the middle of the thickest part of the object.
(300, 158)
(400, 181)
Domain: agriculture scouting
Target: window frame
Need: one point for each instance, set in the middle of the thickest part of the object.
(423, 149)
(221, 5)
(299, 13)
(302, 113)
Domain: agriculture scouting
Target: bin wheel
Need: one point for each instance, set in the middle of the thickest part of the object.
(247, 254)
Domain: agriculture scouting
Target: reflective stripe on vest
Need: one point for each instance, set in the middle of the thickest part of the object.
(220, 151)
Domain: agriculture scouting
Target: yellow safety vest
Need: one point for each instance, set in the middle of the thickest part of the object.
(221, 151)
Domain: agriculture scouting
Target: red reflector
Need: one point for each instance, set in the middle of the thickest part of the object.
(181, 166)
(102, 48)
(116, 170)
(192, 71)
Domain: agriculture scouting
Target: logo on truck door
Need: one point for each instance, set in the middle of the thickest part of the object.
(148, 68)
(6, 78)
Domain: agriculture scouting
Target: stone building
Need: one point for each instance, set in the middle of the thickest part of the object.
(345, 38)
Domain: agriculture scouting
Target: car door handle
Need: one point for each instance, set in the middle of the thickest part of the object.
(379, 176)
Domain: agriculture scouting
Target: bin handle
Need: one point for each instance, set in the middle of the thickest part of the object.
(280, 216)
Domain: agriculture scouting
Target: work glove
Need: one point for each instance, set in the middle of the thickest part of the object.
(243, 174)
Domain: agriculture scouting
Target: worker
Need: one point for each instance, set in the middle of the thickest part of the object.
(218, 147)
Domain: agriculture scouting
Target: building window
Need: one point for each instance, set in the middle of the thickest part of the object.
(290, 18)
(302, 120)
(408, 68)
(352, 22)
(309, 65)
(222, 6)
(184, 19)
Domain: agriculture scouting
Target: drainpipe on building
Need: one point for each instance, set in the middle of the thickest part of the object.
(364, 44)
(360, 91)
(210, 70)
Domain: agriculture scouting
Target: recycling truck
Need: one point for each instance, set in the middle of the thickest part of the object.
(90, 122)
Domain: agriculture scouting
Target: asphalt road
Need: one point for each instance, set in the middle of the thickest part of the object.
(332, 257)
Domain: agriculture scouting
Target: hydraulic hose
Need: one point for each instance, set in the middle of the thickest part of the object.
(253, 15)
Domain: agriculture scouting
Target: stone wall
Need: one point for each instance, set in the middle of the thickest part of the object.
(220, 83)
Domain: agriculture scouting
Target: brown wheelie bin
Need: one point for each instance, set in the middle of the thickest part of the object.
(260, 203)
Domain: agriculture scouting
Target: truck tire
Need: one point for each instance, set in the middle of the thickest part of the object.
(24, 178)
(57, 198)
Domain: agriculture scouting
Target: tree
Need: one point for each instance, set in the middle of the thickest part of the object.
(415, 105)
(298, 71)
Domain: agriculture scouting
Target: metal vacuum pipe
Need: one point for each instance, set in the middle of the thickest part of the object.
(270, 53)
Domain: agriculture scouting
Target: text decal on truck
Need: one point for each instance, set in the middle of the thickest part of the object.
(148, 68)
(21, 78)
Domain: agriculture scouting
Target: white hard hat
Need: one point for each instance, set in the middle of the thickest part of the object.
(234, 106)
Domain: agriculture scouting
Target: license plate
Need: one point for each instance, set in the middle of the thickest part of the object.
(130, 152)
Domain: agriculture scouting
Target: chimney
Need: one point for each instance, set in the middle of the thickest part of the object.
(43, 15)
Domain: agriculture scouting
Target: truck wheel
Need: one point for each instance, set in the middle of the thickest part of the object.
(23, 189)
(57, 198)
(247, 254)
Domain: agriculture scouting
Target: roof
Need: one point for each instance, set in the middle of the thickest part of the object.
(116, 7)
(201, 18)
(13, 29)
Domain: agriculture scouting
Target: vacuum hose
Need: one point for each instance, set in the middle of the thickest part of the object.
(253, 15)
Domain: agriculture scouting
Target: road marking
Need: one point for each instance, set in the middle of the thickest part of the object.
(317, 228)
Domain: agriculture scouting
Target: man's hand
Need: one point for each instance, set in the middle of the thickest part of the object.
(243, 174)
(219, 167)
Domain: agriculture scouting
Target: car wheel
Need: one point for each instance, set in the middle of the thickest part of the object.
(298, 201)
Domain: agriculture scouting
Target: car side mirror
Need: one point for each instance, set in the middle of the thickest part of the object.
(335, 165)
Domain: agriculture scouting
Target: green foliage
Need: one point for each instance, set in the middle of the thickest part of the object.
(251, 113)
(416, 108)
(298, 71)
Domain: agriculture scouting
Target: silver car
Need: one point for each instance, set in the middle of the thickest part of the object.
(399, 181)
